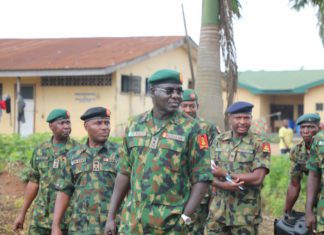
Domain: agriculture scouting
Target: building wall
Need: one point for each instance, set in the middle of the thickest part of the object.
(313, 96)
(77, 99)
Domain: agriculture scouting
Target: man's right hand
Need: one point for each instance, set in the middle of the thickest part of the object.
(311, 222)
(231, 186)
(19, 223)
(110, 228)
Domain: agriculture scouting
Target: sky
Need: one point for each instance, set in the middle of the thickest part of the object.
(268, 36)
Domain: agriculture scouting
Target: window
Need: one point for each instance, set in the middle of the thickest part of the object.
(96, 80)
(131, 84)
(147, 87)
(319, 106)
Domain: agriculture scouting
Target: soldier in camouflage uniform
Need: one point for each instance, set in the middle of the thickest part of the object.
(165, 162)
(309, 126)
(315, 185)
(241, 161)
(89, 176)
(190, 106)
(46, 165)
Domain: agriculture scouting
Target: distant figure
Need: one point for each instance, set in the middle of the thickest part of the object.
(286, 136)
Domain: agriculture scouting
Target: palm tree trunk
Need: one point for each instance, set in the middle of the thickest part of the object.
(209, 77)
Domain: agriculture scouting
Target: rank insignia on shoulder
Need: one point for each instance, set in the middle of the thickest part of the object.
(203, 141)
(266, 148)
(56, 164)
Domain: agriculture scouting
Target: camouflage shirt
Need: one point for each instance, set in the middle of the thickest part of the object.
(210, 129)
(46, 166)
(316, 163)
(89, 176)
(250, 153)
(163, 163)
(298, 157)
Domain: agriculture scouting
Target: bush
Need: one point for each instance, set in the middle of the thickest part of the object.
(17, 151)
(275, 187)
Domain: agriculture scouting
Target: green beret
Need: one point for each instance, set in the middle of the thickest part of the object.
(165, 76)
(309, 117)
(57, 114)
(95, 113)
(189, 95)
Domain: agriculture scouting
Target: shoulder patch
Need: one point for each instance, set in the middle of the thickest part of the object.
(203, 141)
(266, 148)
(321, 143)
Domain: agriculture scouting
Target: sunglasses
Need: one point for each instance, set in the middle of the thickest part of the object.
(170, 91)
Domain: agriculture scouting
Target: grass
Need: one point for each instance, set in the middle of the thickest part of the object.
(275, 187)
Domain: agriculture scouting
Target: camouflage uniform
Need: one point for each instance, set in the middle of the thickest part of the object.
(200, 217)
(298, 157)
(315, 163)
(162, 164)
(89, 176)
(237, 212)
(46, 165)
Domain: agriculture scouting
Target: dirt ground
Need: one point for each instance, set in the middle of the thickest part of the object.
(11, 199)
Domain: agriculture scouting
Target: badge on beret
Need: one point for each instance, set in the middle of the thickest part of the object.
(108, 112)
(67, 114)
(203, 141)
(266, 148)
(192, 96)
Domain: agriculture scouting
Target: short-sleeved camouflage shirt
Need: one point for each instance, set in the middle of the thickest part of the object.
(163, 164)
(298, 157)
(89, 177)
(239, 207)
(316, 163)
(46, 167)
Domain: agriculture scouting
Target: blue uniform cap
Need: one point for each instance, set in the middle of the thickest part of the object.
(240, 107)
(309, 117)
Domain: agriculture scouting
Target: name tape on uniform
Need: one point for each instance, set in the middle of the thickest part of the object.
(76, 161)
(173, 136)
(137, 134)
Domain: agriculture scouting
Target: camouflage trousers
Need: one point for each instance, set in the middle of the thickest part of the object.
(35, 230)
(222, 229)
(200, 219)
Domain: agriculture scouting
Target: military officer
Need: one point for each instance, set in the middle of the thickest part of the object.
(241, 161)
(165, 163)
(190, 106)
(46, 165)
(315, 185)
(89, 175)
(309, 126)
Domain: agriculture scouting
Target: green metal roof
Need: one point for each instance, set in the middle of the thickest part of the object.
(280, 82)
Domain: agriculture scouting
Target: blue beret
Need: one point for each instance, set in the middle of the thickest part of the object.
(240, 107)
(309, 117)
(94, 113)
(165, 76)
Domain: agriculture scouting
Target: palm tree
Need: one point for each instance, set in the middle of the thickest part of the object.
(298, 4)
(216, 32)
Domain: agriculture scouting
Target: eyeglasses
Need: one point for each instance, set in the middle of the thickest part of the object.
(170, 91)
